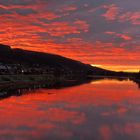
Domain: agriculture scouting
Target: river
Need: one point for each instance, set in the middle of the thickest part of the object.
(99, 110)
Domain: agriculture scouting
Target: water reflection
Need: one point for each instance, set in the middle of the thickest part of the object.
(15, 91)
(137, 82)
(20, 91)
(101, 110)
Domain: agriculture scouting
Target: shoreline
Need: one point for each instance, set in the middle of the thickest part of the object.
(11, 84)
(14, 84)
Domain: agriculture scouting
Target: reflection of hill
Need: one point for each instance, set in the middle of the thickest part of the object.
(137, 81)
(55, 85)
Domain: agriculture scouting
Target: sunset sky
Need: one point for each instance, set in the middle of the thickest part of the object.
(105, 33)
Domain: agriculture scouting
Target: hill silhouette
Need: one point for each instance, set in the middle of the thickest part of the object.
(25, 57)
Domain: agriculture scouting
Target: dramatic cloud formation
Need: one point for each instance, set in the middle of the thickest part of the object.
(96, 32)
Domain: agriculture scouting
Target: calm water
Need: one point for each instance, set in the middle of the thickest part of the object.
(101, 110)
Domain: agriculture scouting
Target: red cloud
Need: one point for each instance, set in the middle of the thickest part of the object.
(31, 6)
(68, 8)
(65, 28)
(122, 36)
(112, 12)
(133, 17)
